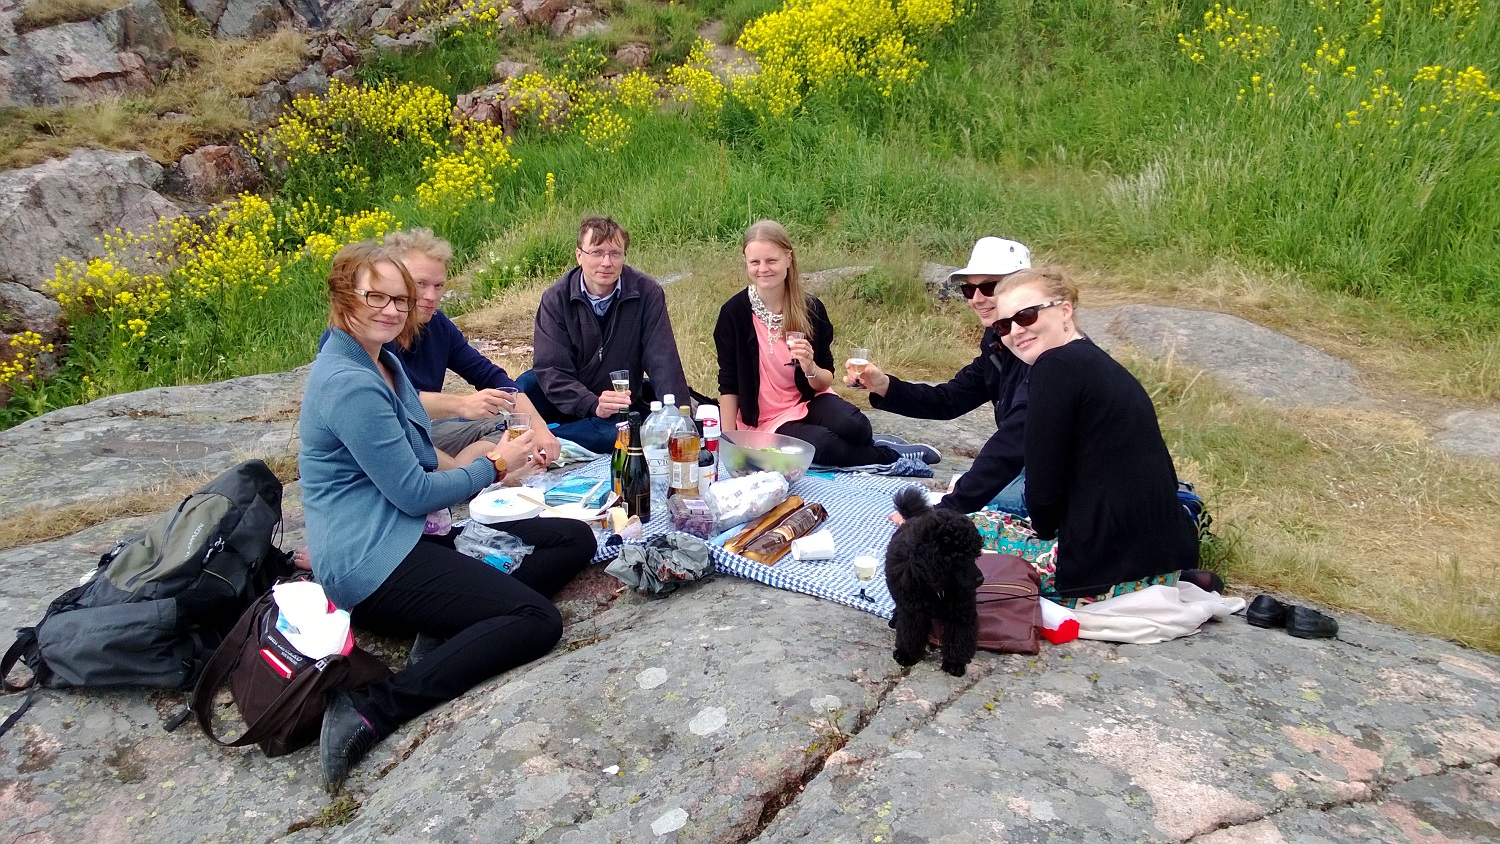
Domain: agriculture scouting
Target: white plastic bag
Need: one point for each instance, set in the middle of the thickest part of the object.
(309, 622)
(738, 500)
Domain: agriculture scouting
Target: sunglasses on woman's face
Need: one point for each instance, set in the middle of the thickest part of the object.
(986, 288)
(1024, 317)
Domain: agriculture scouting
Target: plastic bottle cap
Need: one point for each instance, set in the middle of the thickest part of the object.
(655, 406)
(667, 399)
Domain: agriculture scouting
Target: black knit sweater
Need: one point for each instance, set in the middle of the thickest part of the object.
(1098, 474)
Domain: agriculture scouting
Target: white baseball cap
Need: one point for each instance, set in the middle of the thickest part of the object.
(995, 256)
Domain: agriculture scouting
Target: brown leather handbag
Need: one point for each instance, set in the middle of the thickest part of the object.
(1009, 614)
(280, 692)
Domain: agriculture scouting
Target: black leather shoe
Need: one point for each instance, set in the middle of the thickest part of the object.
(1203, 579)
(1307, 623)
(1266, 611)
(345, 740)
(422, 646)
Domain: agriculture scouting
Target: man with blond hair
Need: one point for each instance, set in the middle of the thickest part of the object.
(601, 316)
(458, 420)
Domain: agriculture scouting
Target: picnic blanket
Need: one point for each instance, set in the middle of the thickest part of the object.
(857, 507)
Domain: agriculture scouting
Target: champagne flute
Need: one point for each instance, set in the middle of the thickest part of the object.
(620, 380)
(794, 335)
(859, 359)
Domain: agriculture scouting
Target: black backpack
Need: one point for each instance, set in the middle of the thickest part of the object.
(159, 603)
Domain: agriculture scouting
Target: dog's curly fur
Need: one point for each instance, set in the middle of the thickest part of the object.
(932, 576)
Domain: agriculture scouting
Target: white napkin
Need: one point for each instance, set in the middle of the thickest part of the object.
(814, 546)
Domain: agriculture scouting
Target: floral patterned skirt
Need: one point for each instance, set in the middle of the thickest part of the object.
(1011, 534)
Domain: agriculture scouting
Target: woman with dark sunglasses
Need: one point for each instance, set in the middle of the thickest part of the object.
(995, 376)
(1099, 478)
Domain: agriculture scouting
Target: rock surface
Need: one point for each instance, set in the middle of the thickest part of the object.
(57, 208)
(1252, 359)
(1472, 432)
(240, 18)
(213, 172)
(123, 444)
(731, 711)
(81, 61)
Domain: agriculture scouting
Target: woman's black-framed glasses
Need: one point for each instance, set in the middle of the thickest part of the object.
(377, 300)
(1023, 317)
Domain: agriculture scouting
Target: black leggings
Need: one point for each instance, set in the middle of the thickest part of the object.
(839, 433)
(492, 621)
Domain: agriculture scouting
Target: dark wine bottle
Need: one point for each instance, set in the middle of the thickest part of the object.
(635, 479)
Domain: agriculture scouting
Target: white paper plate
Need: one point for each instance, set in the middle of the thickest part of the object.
(502, 505)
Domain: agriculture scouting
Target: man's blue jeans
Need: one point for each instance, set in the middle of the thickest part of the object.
(595, 434)
(1012, 499)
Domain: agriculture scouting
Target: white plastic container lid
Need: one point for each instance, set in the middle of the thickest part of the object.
(502, 505)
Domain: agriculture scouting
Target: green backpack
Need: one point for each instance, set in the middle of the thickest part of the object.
(159, 603)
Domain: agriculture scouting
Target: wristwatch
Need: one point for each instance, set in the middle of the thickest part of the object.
(500, 467)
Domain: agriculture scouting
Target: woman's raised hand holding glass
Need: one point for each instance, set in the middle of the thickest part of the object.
(860, 374)
(517, 453)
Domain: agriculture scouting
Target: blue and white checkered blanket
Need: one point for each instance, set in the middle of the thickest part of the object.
(857, 507)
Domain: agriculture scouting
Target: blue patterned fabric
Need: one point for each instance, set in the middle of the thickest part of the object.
(857, 507)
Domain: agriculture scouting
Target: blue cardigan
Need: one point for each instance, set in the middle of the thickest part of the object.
(367, 466)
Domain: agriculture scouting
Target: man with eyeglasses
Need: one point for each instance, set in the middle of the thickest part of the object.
(997, 478)
(601, 316)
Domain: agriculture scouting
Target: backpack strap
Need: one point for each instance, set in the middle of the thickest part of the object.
(25, 643)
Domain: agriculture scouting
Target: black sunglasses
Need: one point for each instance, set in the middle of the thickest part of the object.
(1023, 317)
(987, 288)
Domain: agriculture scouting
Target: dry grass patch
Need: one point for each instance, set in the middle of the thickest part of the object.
(38, 14)
(40, 524)
(200, 105)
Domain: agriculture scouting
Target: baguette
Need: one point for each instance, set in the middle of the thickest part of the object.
(774, 544)
(753, 530)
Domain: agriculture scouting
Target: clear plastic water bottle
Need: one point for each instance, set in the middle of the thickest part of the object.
(654, 436)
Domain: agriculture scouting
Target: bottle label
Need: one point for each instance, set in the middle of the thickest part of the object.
(684, 476)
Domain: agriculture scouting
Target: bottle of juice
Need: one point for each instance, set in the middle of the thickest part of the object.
(684, 449)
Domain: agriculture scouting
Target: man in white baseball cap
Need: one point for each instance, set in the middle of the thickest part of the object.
(996, 376)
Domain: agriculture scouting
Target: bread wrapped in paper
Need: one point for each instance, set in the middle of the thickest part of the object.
(770, 519)
(776, 542)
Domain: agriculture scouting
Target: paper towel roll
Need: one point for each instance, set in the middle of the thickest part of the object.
(814, 546)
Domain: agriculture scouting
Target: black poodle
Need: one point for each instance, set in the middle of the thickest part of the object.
(932, 576)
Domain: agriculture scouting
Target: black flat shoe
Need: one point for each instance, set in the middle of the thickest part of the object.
(1306, 623)
(345, 740)
(1266, 611)
(1203, 579)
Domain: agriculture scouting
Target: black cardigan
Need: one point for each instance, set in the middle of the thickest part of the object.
(1098, 474)
(739, 352)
